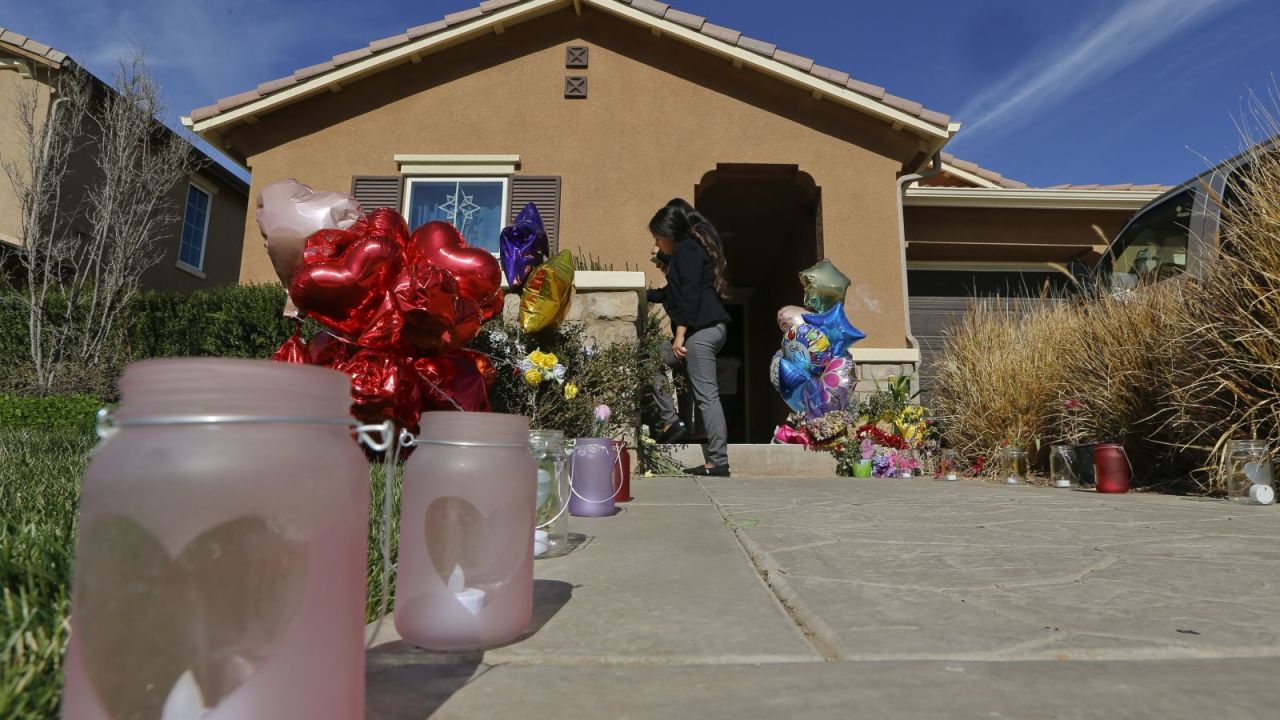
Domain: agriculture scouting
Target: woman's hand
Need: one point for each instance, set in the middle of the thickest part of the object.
(677, 345)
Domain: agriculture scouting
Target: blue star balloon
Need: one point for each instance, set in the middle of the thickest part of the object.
(836, 326)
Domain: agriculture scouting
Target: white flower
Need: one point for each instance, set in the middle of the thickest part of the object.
(589, 349)
(558, 372)
(497, 336)
(525, 365)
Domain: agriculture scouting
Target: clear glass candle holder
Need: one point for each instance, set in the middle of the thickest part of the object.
(1062, 467)
(949, 465)
(1248, 465)
(551, 531)
(1013, 465)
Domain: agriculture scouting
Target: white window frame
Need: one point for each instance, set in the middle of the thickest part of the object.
(505, 180)
(198, 271)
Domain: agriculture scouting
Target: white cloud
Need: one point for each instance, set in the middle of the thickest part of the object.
(1095, 51)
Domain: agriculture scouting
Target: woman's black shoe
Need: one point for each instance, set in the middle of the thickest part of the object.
(674, 433)
(704, 471)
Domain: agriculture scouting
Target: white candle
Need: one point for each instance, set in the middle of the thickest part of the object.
(471, 598)
(952, 477)
(541, 542)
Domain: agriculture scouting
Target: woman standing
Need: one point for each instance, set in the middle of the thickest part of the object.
(688, 247)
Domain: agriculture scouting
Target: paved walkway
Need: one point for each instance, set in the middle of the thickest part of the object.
(831, 598)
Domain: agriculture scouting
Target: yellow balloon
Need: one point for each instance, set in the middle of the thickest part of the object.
(824, 286)
(547, 294)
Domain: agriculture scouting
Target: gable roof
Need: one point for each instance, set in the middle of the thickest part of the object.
(496, 15)
(976, 174)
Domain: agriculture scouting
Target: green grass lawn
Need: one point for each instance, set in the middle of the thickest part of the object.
(40, 475)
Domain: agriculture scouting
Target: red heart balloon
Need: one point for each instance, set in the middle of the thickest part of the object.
(452, 376)
(293, 351)
(343, 294)
(326, 245)
(384, 386)
(388, 222)
(329, 350)
(478, 273)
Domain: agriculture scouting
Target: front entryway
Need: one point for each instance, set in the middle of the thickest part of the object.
(771, 221)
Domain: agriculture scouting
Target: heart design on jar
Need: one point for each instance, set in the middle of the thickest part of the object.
(477, 272)
(344, 293)
(488, 549)
(149, 625)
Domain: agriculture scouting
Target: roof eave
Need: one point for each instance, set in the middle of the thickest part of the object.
(1029, 198)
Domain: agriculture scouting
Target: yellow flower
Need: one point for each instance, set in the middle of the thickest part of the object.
(536, 357)
(547, 362)
(533, 377)
(570, 391)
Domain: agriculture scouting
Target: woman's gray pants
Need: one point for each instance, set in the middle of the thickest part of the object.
(700, 364)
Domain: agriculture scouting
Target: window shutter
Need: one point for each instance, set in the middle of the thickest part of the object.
(544, 192)
(375, 192)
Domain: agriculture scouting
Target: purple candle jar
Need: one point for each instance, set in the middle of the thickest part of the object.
(591, 478)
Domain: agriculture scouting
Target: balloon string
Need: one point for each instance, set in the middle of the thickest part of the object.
(442, 392)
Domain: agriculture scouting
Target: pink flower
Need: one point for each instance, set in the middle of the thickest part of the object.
(1074, 404)
(603, 413)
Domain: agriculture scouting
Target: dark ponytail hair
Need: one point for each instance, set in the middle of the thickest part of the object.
(680, 221)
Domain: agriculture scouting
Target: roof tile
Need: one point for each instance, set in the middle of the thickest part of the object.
(58, 57)
(1118, 186)
(935, 117)
(756, 46)
(836, 76)
(722, 33)
(795, 61)
(388, 42)
(36, 47)
(349, 57)
(1149, 187)
(312, 70)
(872, 91)
(489, 6)
(234, 101)
(422, 30)
(1091, 186)
(462, 16)
(964, 165)
(13, 38)
(277, 84)
(651, 7)
(1012, 184)
(204, 113)
(903, 104)
(688, 20)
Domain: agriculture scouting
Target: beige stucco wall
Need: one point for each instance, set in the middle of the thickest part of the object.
(222, 245)
(660, 115)
(12, 83)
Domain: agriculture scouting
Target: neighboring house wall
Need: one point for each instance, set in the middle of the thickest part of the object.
(225, 233)
(14, 79)
(659, 117)
(229, 198)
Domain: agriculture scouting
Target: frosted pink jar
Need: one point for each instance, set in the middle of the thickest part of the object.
(220, 566)
(464, 579)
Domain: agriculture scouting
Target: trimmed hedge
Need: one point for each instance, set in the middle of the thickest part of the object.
(51, 412)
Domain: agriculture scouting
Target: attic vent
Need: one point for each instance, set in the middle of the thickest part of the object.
(575, 56)
(377, 192)
(544, 192)
(575, 86)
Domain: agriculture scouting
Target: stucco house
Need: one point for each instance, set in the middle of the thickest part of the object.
(602, 110)
(201, 248)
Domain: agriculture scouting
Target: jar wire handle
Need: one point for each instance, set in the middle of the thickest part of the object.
(389, 443)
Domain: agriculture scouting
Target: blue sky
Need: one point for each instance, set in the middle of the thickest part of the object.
(1050, 92)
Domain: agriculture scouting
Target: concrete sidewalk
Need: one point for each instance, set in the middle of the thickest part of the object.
(815, 598)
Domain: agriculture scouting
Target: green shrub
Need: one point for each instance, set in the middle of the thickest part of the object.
(232, 321)
(51, 412)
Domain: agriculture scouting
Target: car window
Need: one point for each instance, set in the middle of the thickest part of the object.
(1153, 246)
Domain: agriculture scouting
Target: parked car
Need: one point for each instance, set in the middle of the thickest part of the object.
(1175, 233)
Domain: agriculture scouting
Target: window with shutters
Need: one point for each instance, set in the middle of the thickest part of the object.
(477, 206)
(544, 192)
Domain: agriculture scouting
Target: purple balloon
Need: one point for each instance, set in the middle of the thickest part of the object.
(523, 246)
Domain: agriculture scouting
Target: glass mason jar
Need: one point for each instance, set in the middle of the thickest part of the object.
(465, 574)
(591, 478)
(1062, 466)
(1013, 465)
(1248, 464)
(220, 560)
(949, 465)
(551, 519)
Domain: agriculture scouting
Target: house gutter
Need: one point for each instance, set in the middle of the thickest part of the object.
(903, 182)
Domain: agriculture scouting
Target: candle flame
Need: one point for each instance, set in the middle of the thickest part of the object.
(457, 580)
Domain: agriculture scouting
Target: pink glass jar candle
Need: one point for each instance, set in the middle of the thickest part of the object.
(220, 559)
(464, 580)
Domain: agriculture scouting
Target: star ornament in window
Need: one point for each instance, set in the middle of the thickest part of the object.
(459, 204)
